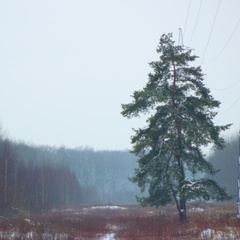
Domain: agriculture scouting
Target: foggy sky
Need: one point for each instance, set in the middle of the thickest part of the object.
(67, 66)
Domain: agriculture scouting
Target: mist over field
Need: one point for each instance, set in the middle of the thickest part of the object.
(43, 177)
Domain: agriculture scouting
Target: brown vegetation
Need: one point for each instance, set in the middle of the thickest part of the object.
(206, 221)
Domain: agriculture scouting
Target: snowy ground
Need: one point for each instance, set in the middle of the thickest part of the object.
(109, 236)
(217, 235)
(105, 207)
(206, 234)
(196, 209)
(112, 228)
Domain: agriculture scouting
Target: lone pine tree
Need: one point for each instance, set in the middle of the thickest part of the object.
(181, 111)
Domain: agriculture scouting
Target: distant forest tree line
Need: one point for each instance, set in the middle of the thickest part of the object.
(226, 161)
(29, 184)
(36, 178)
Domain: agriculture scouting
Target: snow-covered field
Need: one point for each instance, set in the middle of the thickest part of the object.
(110, 222)
(105, 207)
(218, 235)
(108, 236)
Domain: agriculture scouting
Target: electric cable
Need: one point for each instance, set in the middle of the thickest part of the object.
(205, 6)
(211, 31)
(185, 26)
(199, 10)
(221, 113)
(230, 38)
(226, 88)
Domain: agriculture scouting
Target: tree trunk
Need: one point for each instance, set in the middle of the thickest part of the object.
(5, 181)
(182, 210)
(182, 195)
(43, 189)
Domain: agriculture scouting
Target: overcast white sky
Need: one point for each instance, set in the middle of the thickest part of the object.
(67, 65)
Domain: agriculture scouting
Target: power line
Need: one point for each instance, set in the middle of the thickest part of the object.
(211, 31)
(230, 38)
(185, 26)
(205, 6)
(199, 9)
(226, 88)
(229, 107)
(238, 182)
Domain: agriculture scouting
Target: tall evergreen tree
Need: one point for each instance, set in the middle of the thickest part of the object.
(181, 111)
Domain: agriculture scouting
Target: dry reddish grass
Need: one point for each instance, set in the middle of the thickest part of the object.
(164, 224)
(133, 222)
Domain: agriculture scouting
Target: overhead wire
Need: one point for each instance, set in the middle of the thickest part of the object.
(185, 26)
(221, 113)
(194, 28)
(205, 6)
(207, 44)
(226, 88)
(215, 17)
(228, 41)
